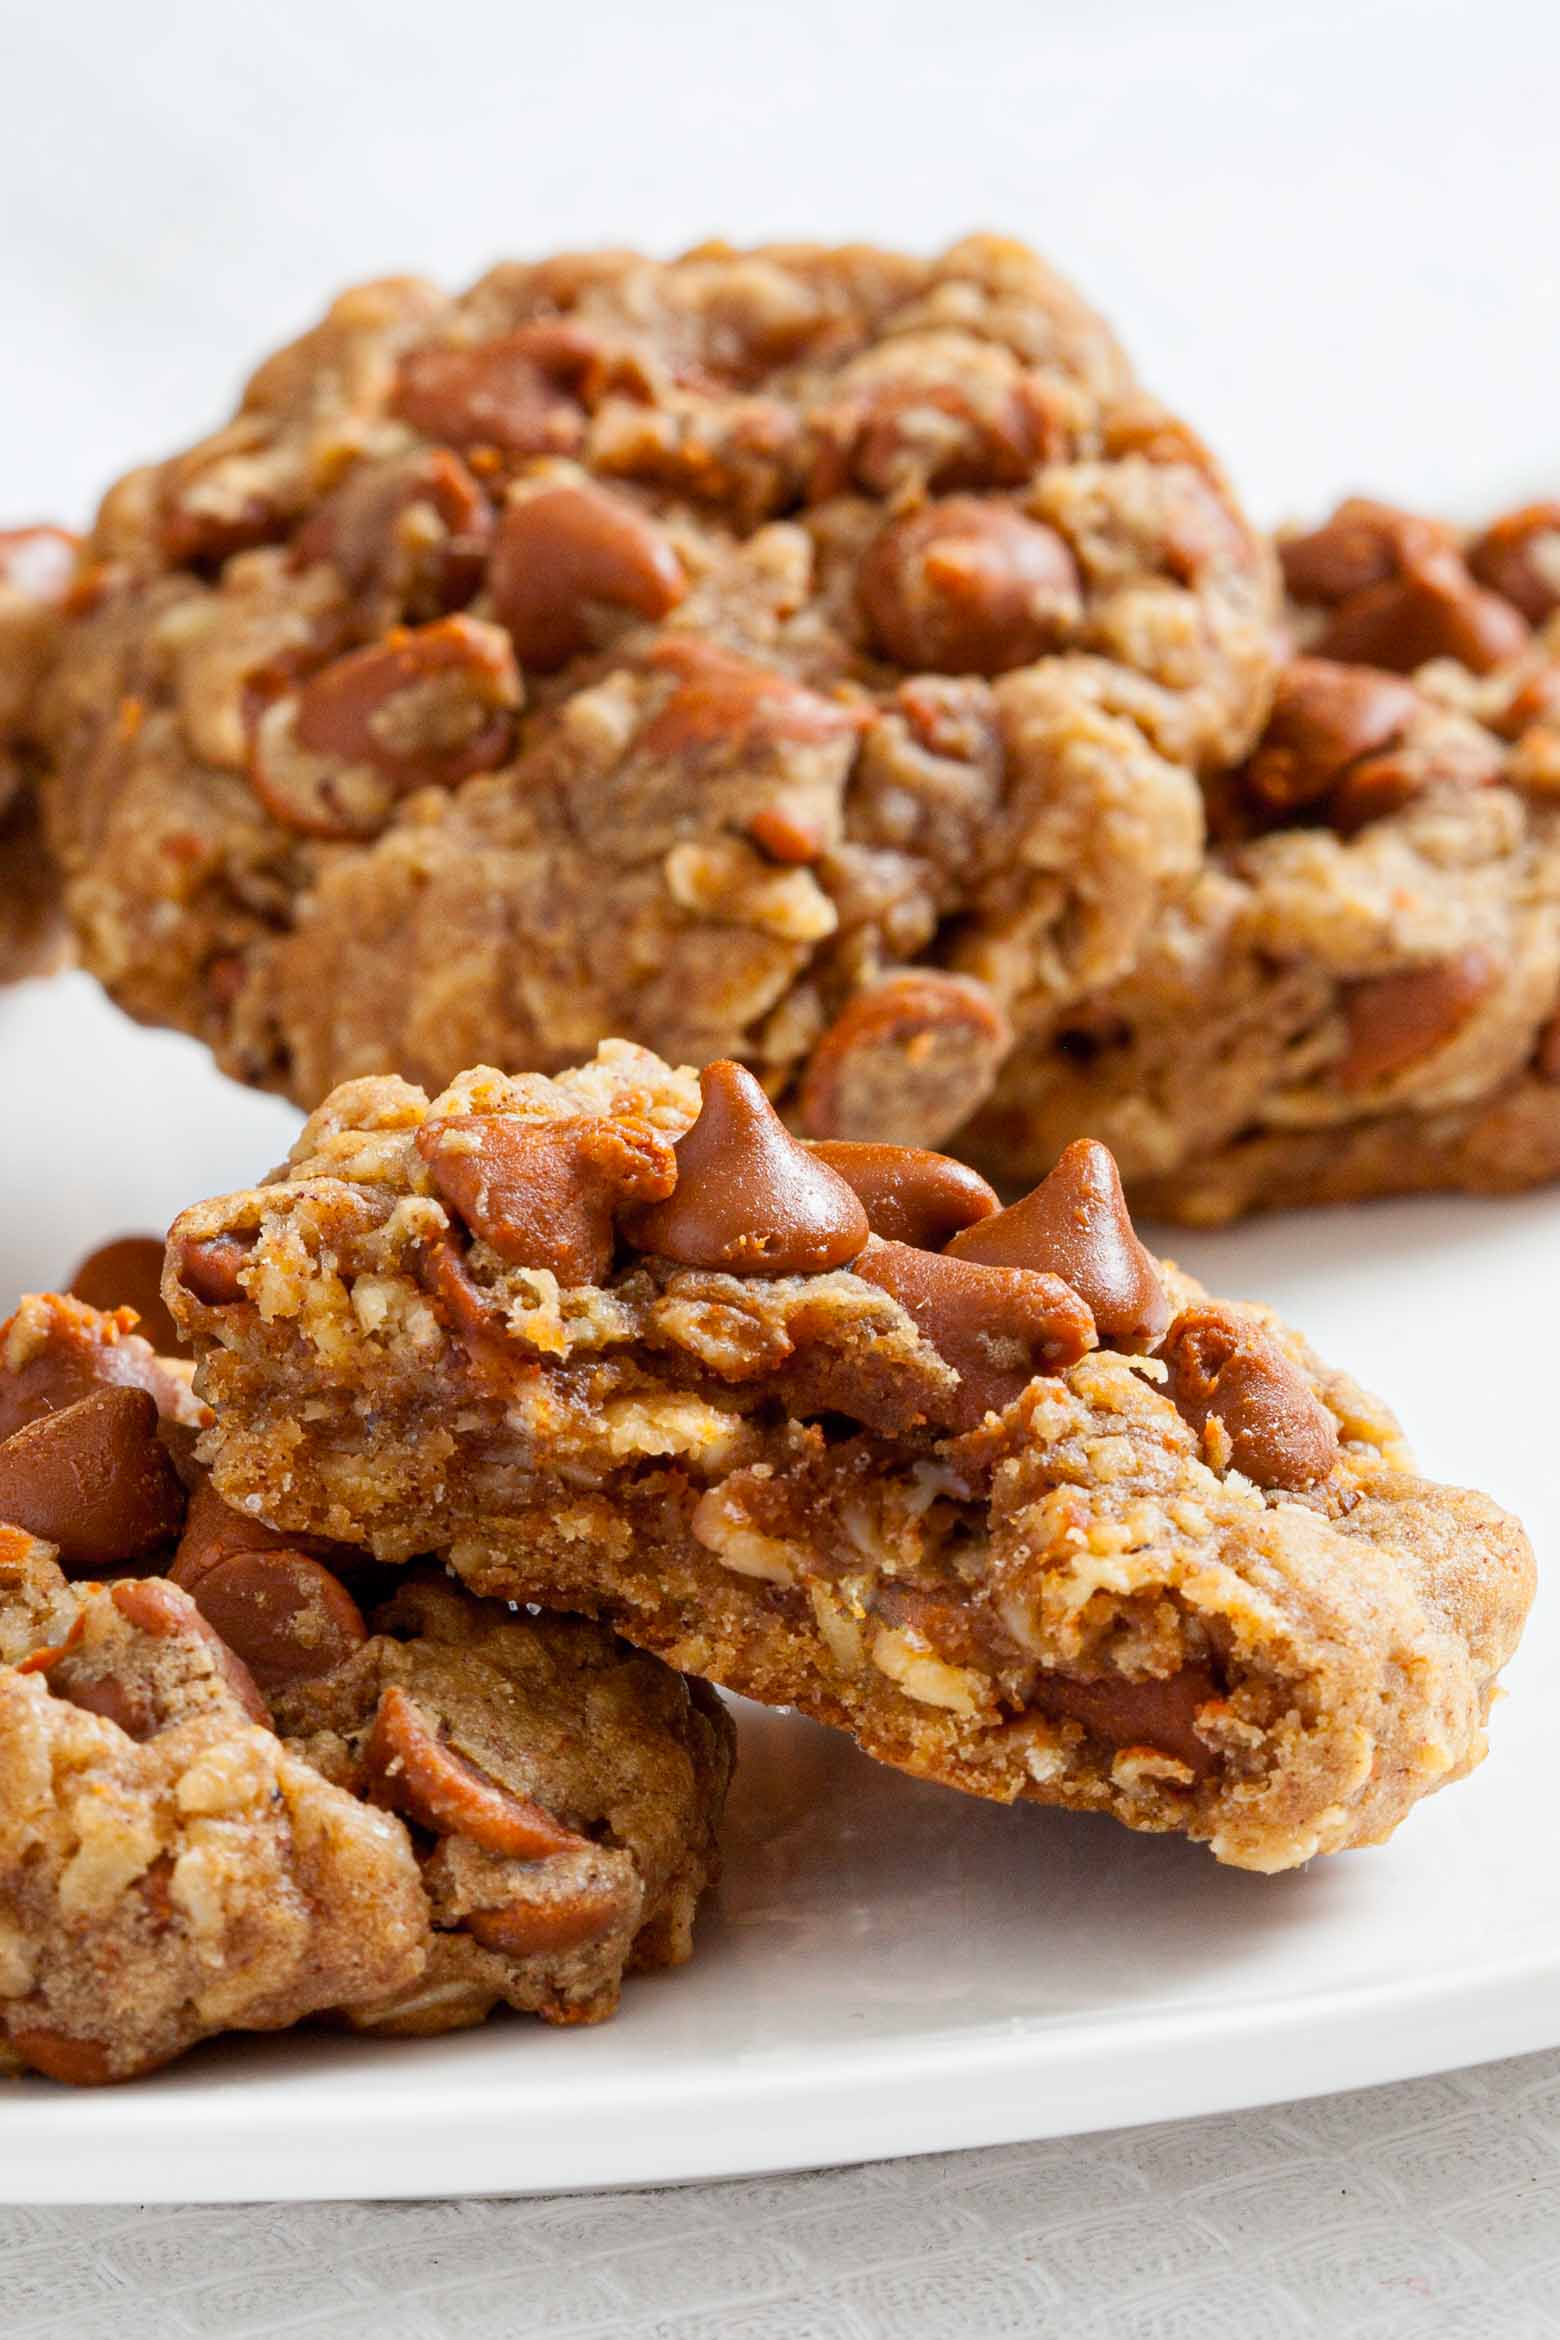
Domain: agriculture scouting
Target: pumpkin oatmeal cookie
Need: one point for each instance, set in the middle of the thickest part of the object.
(230, 1800)
(168, 1869)
(1013, 1502)
(801, 655)
(1360, 993)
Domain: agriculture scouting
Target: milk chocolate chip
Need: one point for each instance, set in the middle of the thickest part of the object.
(1393, 1021)
(518, 394)
(408, 535)
(282, 1613)
(909, 1194)
(93, 1478)
(524, 1928)
(1434, 609)
(749, 1197)
(154, 1606)
(98, 1673)
(1155, 1711)
(1326, 717)
(128, 1274)
(79, 2063)
(996, 1326)
(1363, 544)
(723, 703)
(1076, 1224)
(412, 1768)
(542, 1194)
(210, 1270)
(969, 585)
(564, 552)
(1518, 556)
(907, 1059)
(215, 1531)
(1224, 1367)
(426, 707)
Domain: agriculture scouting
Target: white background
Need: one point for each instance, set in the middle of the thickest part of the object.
(1329, 234)
(1328, 231)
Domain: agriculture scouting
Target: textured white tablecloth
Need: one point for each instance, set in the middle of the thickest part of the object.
(1429, 2211)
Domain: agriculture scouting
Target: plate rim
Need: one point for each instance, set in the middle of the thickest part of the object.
(1030, 2080)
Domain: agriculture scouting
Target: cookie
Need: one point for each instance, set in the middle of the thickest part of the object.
(1359, 994)
(564, 1791)
(1011, 1501)
(168, 1870)
(37, 566)
(801, 655)
(230, 1800)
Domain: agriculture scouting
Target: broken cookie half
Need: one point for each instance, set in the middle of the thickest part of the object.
(1013, 1502)
(247, 1780)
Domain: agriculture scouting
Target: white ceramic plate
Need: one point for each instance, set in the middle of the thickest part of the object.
(891, 1968)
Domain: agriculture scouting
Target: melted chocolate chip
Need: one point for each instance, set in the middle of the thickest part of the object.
(1076, 1224)
(542, 1194)
(996, 1326)
(1224, 1367)
(909, 1194)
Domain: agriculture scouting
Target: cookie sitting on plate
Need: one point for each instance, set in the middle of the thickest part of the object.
(1016, 1504)
(798, 654)
(1360, 994)
(229, 1800)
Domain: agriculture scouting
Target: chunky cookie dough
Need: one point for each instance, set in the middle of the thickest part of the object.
(564, 1792)
(1014, 1503)
(801, 655)
(168, 1869)
(230, 1800)
(1359, 993)
(37, 566)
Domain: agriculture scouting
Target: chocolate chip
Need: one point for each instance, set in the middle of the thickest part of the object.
(94, 1479)
(1363, 544)
(724, 704)
(1076, 1224)
(79, 2063)
(215, 1531)
(1536, 700)
(543, 1194)
(409, 534)
(1158, 1712)
(908, 1059)
(1223, 1367)
(412, 1768)
(426, 707)
(518, 393)
(152, 1605)
(562, 554)
(210, 1269)
(1326, 716)
(969, 585)
(996, 1326)
(909, 1194)
(1432, 610)
(281, 1612)
(749, 1198)
(523, 1929)
(68, 1350)
(1394, 1021)
(128, 1274)
(1518, 556)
